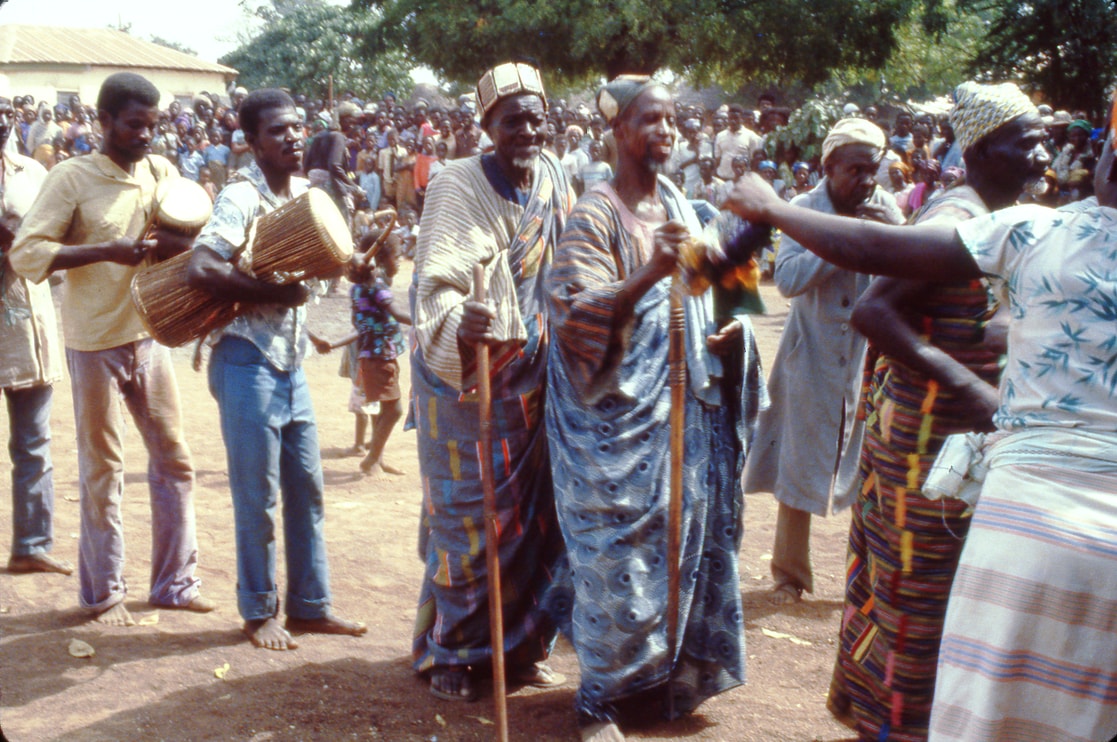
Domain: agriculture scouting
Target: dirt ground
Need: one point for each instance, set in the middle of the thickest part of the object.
(180, 676)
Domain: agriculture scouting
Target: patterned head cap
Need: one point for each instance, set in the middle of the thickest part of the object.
(980, 110)
(851, 131)
(509, 78)
(616, 95)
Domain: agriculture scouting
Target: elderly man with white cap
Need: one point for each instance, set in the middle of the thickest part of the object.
(816, 376)
(936, 374)
(504, 211)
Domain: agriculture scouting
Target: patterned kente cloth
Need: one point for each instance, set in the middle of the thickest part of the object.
(903, 547)
(608, 404)
(473, 214)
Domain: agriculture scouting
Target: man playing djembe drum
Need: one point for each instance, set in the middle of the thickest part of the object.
(89, 220)
(255, 374)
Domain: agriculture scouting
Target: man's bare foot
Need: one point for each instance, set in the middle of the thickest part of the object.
(266, 633)
(197, 605)
(118, 615)
(785, 594)
(453, 684)
(325, 625)
(601, 731)
(39, 562)
(357, 450)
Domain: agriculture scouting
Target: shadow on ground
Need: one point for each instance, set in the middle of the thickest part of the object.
(327, 701)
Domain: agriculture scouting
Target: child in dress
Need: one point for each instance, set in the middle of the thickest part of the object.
(379, 343)
(377, 316)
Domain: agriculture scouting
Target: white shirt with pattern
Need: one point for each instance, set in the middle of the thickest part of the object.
(1057, 272)
(278, 331)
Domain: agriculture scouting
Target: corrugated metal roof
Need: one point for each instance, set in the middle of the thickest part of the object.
(93, 46)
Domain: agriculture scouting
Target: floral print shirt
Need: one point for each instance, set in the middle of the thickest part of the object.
(1057, 271)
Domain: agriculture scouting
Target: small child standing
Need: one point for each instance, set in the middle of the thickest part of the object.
(364, 281)
(377, 317)
(205, 180)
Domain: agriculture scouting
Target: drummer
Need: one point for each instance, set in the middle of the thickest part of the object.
(88, 220)
(256, 375)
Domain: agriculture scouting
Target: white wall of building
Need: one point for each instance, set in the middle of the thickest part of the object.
(55, 83)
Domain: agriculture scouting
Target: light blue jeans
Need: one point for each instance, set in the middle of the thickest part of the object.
(32, 472)
(140, 375)
(271, 441)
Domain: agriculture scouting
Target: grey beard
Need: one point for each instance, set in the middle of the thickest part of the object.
(1036, 186)
(659, 168)
(525, 163)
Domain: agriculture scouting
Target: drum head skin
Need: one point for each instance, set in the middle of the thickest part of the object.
(331, 223)
(183, 205)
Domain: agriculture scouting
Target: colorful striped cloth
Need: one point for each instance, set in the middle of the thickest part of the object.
(1029, 649)
(472, 215)
(467, 221)
(903, 547)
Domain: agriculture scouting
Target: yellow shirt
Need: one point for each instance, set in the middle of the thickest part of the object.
(88, 200)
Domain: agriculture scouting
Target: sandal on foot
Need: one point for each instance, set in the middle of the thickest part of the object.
(466, 690)
(786, 593)
(536, 675)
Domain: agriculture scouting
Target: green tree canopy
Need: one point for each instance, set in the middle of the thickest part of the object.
(779, 40)
(923, 65)
(1066, 49)
(305, 41)
(173, 45)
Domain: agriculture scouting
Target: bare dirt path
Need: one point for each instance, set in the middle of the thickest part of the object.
(160, 680)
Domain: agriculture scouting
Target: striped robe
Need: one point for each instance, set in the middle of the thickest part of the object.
(473, 215)
(1029, 648)
(1029, 644)
(903, 547)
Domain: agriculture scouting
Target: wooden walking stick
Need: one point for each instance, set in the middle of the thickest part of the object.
(676, 379)
(492, 525)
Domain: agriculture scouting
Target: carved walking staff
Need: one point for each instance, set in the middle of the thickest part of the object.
(492, 525)
(676, 379)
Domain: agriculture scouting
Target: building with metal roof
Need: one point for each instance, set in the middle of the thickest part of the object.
(53, 63)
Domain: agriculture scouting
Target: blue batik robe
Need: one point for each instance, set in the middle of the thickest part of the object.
(608, 405)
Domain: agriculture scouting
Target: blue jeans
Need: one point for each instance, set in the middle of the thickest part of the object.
(271, 441)
(32, 472)
(139, 374)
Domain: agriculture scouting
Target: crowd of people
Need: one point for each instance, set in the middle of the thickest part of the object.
(388, 151)
(939, 303)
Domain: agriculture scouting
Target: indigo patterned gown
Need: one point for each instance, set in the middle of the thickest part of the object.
(608, 405)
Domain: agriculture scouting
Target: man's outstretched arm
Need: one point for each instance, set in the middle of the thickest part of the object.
(931, 252)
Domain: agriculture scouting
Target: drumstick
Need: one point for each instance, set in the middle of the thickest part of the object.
(375, 248)
(676, 376)
(492, 527)
(153, 218)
